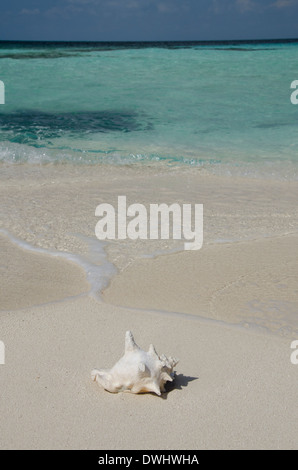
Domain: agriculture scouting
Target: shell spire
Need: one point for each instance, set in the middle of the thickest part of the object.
(137, 371)
(130, 344)
(152, 351)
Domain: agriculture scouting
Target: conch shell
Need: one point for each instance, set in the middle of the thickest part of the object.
(137, 371)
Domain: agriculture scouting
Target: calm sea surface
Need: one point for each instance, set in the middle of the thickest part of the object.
(223, 106)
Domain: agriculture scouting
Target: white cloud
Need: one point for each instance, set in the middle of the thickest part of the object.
(25, 11)
(245, 5)
(168, 7)
(284, 3)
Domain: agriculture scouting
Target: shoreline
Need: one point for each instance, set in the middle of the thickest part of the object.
(89, 293)
(275, 171)
(260, 216)
(114, 289)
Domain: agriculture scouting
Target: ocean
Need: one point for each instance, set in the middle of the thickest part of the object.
(223, 106)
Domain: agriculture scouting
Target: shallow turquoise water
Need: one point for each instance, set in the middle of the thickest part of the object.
(217, 105)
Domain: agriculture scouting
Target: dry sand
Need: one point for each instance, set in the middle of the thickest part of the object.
(235, 387)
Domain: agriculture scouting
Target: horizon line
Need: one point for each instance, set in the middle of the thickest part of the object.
(293, 39)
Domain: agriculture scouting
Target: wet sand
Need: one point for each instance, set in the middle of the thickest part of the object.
(253, 283)
(32, 279)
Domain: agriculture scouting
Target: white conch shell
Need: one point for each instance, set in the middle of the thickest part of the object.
(137, 371)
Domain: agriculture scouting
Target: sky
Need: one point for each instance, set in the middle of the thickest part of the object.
(147, 20)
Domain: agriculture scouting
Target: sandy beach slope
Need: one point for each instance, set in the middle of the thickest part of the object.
(234, 388)
(228, 312)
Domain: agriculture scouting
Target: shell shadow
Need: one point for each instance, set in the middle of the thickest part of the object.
(178, 383)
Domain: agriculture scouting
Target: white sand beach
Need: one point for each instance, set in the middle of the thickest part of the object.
(227, 311)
